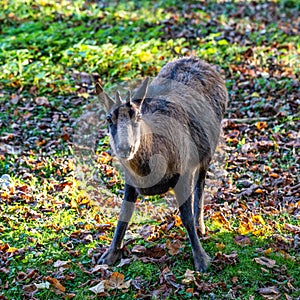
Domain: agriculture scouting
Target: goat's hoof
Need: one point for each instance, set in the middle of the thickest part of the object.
(201, 264)
(109, 257)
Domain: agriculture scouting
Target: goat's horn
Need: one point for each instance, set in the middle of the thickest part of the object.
(128, 96)
(118, 98)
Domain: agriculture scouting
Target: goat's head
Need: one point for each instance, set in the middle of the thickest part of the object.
(124, 120)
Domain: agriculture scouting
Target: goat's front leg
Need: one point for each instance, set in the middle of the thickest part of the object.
(113, 253)
(184, 194)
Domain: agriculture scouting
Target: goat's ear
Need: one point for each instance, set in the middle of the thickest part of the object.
(118, 98)
(140, 94)
(105, 100)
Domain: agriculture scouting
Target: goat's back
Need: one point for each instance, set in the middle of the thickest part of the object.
(189, 76)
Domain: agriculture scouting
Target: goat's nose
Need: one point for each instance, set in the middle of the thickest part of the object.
(124, 150)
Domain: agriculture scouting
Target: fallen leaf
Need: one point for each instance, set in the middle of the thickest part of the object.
(55, 283)
(138, 249)
(29, 290)
(70, 296)
(60, 263)
(264, 261)
(124, 261)
(116, 281)
(42, 285)
(156, 251)
(220, 246)
(292, 228)
(261, 125)
(188, 277)
(242, 240)
(168, 276)
(268, 251)
(234, 279)
(173, 247)
(43, 101)
(220, 219)
(99, 288)
(258, 219)
(269, 293)
(246, 226)
(274, 175)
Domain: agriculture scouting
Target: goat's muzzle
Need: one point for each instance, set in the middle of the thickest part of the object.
(124, 150)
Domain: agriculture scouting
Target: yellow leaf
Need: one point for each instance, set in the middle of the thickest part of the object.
(220, 246)
(73, 203)
(177, 49)
(246, 226)
(261, 125)
(11, 249)
(145, 56)
(257, 232)
(258, 219)
(220, 219)
(255, 94)
(268, 251)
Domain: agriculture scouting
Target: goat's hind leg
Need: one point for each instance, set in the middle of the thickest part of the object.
(199, 201)
(184, 194)
(113, 253)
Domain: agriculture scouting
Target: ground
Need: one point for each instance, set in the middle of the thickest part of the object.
(61, 189)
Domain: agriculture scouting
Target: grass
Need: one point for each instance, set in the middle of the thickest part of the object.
(62, 200)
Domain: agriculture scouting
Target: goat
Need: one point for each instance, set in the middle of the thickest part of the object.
(164, 137)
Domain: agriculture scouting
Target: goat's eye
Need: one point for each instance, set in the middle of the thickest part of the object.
(109, 119)
(139, 117)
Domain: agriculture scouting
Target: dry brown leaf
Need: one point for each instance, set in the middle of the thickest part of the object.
(138, 249)
(43, 101)
(274, 175)
(169, 277)
(292, 228)
(269, 293)
(234, 279)
(61, 263)
(69, 296)
(124, 261)
(242, 240)
(116, 281)
(156, 251)
(173, 247)
(55, 283)
(188, 277)
(264, 261)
